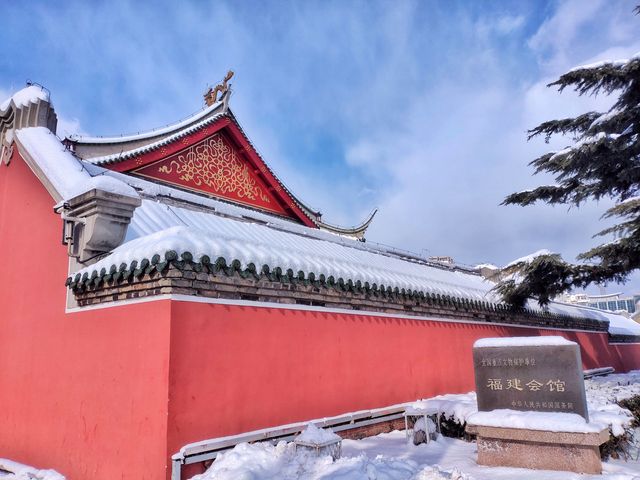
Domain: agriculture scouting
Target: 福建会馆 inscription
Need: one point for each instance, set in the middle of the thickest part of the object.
(529, 373)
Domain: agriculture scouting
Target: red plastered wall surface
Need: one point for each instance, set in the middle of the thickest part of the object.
(82, 393)
(240, 368)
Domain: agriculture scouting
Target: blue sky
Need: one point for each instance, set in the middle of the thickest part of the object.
(417, 108)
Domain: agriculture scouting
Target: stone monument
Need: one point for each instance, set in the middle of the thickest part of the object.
(541, 374)
(532, 409)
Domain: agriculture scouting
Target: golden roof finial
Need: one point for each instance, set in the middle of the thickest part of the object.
(211, 96)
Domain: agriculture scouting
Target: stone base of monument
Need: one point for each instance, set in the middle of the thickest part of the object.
(539, 449)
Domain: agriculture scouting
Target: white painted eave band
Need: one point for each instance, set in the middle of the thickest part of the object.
(310, 308)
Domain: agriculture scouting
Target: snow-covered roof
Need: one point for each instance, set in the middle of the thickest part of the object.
(172, 133)
(68, 175)
(528, 258)
(618, 324)
(313, 435)
(21, 98)
(171, 128)
(157, 228)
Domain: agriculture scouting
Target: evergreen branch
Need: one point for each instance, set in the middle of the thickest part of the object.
(616, 259)
(548, 276)
(615, 121)
(567, 125)
(543, 278)
(629, 208)
(605, 76)
(619, 230)
(546, 193)
(602, 166)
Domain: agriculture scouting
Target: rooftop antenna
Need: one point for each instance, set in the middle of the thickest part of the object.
(31, 83)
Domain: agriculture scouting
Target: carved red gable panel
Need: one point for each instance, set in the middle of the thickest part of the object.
(215, 167)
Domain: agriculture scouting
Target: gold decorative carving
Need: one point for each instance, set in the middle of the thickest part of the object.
(211, 96)
(215, 164)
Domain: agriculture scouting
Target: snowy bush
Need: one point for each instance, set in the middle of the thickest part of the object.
(627, 444)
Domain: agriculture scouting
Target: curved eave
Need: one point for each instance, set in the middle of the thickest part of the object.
(150, 134)
(126, 155)
(313, 215)
(7, 116)
(356, 232)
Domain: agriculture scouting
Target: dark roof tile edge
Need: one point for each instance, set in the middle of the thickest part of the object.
(135, 269)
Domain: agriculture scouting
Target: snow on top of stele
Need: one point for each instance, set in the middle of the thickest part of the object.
(21, 98)
(546, 421)
(522, 341)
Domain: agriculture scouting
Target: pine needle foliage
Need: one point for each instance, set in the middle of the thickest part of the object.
(603, 162)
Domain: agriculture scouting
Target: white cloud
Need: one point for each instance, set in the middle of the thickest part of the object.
(68, 127)
(578, 28)
(507, 24)
(499, 25)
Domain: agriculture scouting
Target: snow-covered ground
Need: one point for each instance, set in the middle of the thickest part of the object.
(25, 472)
(385, 457)
(390, 457)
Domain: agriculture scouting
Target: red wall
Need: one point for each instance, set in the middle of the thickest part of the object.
(83, 393)
(239, 368)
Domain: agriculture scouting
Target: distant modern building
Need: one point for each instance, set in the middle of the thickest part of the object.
(613, 302)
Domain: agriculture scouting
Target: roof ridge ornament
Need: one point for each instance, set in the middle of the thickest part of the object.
(211, 95)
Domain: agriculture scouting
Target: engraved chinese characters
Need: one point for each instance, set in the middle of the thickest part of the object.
(529, 373)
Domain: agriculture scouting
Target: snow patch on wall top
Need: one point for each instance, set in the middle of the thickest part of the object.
(522, 341)
(67, 174)
(21, 98)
